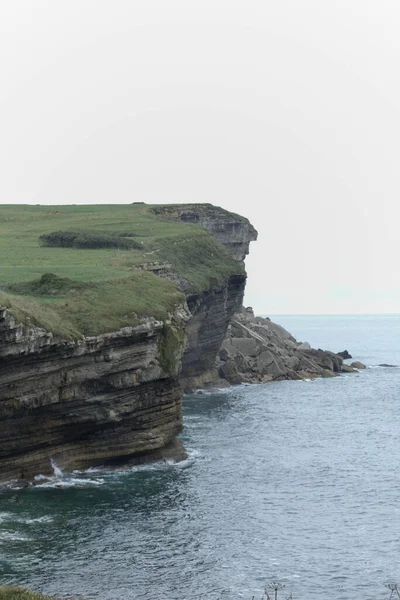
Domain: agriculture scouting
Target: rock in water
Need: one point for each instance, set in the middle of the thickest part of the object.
(358, 365)
(344, 354)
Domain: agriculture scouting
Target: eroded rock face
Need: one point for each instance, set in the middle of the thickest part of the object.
(107, 398)
(211, 314)
(258, 350)
(114, 397)
(233, 231)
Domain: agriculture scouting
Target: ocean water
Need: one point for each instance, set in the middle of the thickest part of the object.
(293, 481)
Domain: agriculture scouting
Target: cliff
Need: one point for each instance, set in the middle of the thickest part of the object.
(130, 306)
(88, 402)
(233, 231)
(91, 372)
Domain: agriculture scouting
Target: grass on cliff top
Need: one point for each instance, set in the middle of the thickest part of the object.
(94, 307)
(98, 290)
(18, 593)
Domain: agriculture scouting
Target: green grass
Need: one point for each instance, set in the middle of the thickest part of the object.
(92, 291)
(95, 307)
(200, 259)
(18, 593)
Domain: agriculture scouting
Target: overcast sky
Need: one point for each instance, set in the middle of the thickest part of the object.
(286, 111)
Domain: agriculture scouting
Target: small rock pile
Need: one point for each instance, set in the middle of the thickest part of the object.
(256, 350)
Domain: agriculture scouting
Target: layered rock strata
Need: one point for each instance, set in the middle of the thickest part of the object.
(233, 231)
(116, 397)
(102, 399)
(211, 312)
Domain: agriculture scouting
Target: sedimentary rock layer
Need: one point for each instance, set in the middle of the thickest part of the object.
(233, 231)
(88, 402)
(117, 396)
(211, 313)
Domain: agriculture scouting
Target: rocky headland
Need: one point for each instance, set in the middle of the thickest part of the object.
(116, 396)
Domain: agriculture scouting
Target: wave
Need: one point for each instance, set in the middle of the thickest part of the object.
(9, 536)
(61, 480)
(214, 392)
(98, 476)
(68, 481)
(8, 516)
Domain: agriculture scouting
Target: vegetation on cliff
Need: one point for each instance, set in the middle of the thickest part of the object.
(86, 270)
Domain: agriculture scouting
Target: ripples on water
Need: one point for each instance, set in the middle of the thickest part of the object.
(296, 481)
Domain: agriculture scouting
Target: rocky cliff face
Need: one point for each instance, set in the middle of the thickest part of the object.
(211, 313)
(102, 399)
(233, 231)
(115, 397)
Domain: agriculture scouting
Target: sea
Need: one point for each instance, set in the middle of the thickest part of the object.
(295, 483)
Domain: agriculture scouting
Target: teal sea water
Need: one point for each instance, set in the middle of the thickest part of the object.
(294, 481)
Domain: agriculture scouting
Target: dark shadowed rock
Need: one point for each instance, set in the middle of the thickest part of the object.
(344, 354)
(229, 372)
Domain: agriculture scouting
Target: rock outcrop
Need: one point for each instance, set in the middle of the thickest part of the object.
(233, 231)
(108, 398)
(258, 350)
(344, 354)
(115, 397)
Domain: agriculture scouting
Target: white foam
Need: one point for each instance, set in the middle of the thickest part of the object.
(45, 519)
(4, 516)
(213, 392)
(56, 469)
(68, 482)
(160, 465)
(8, 536)
(8, 516)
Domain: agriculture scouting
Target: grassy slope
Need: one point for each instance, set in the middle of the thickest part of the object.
(102, 289)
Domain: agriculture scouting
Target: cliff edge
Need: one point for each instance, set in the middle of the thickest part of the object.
(105, 311)
(108, 313)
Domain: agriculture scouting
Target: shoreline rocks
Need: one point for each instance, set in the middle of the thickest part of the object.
(257, 350)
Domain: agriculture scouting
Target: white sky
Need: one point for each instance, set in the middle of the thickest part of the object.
(286, 111)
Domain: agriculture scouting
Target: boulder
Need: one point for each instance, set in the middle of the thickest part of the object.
(325, 359)
(269, 363)
(223, 354)
(246, 345)
(348, 369)
(304, 346)
(229, 372)
(358, 365)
